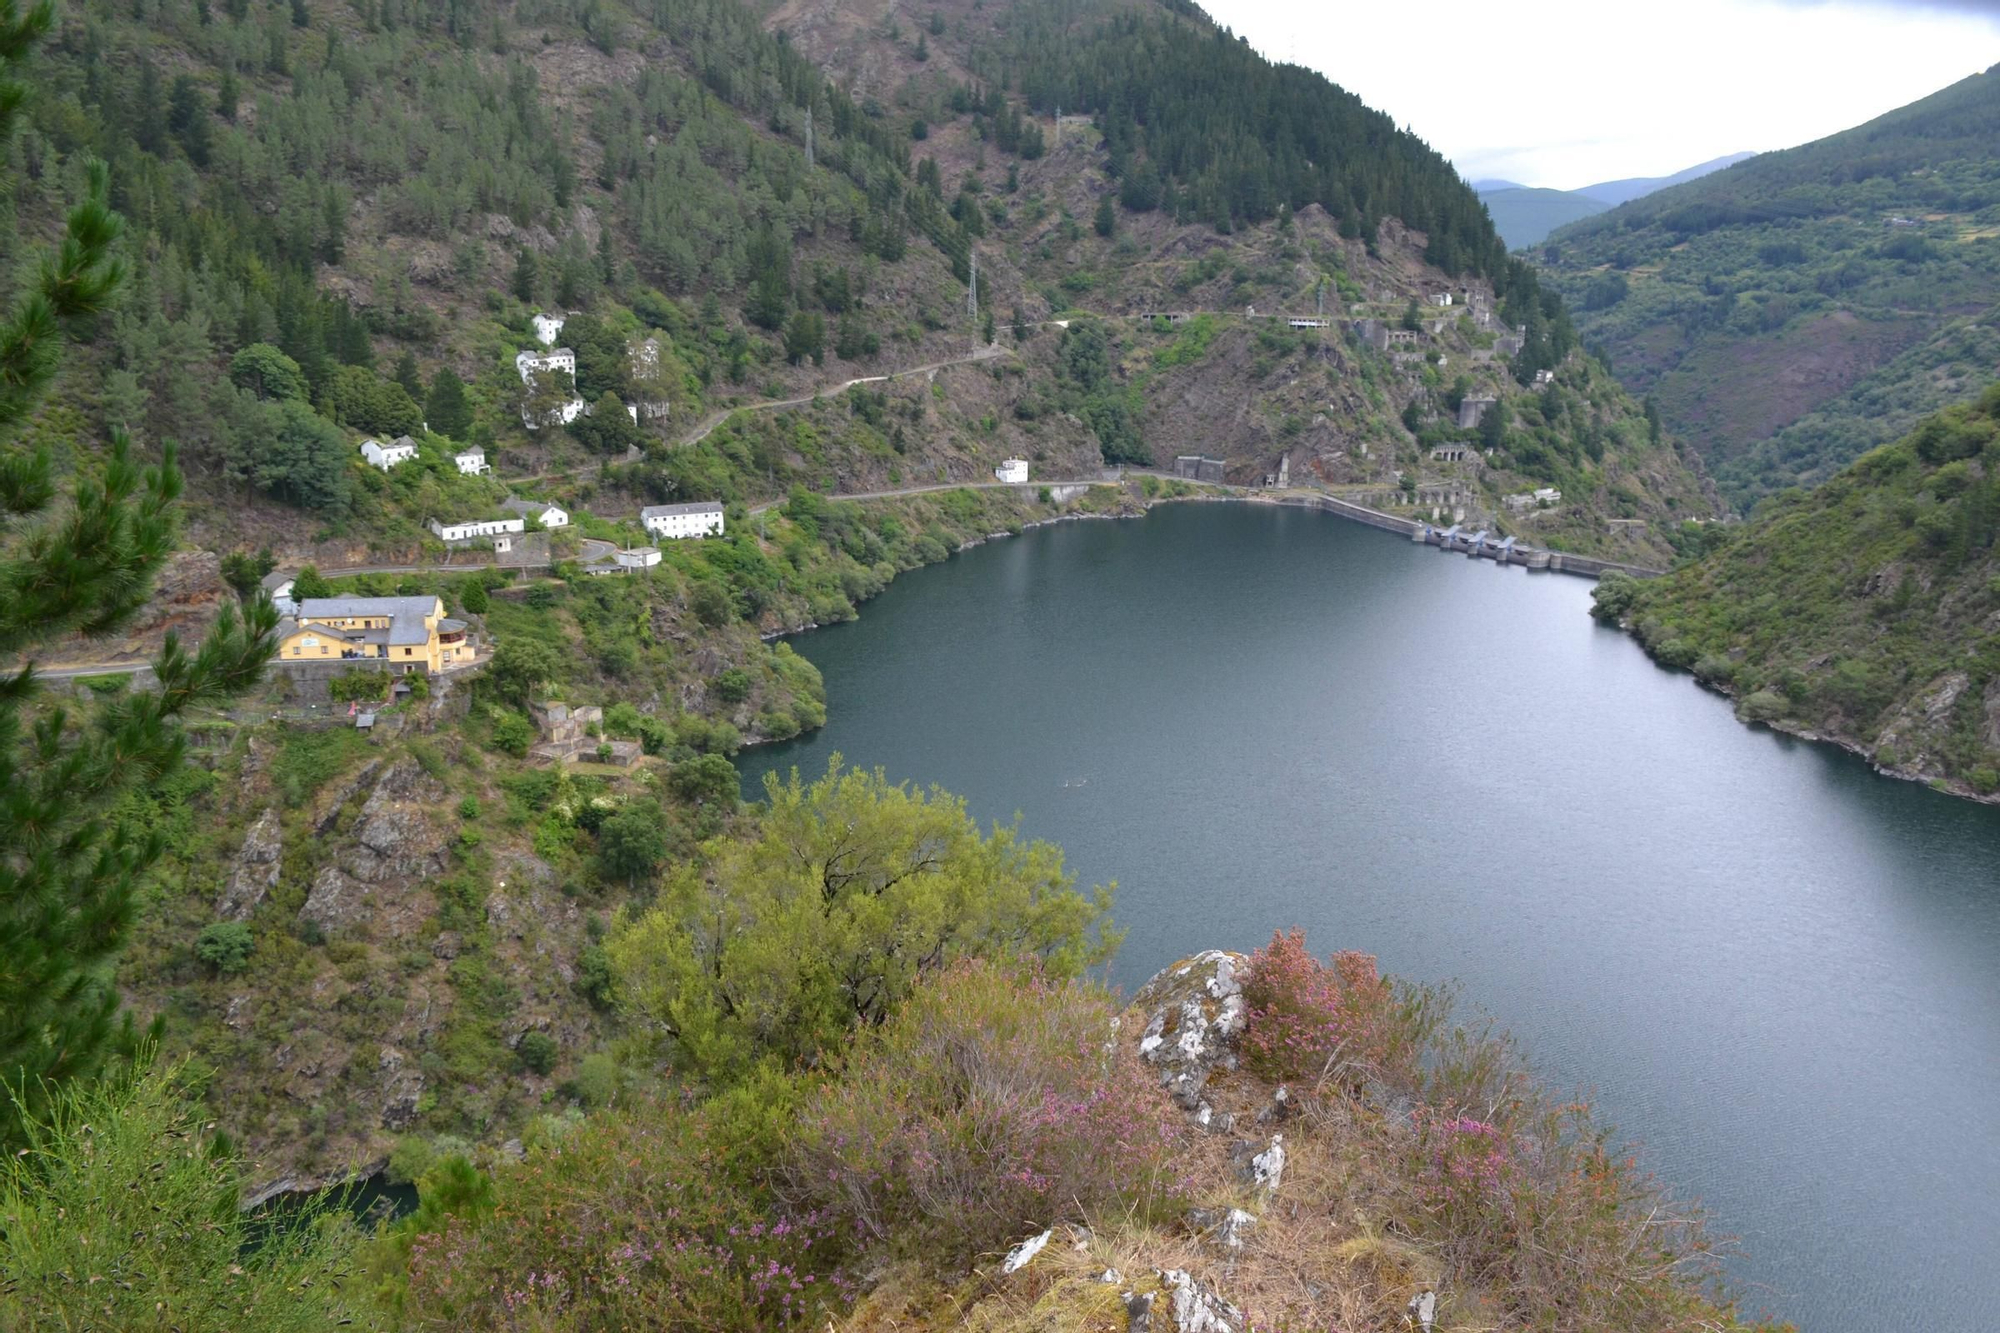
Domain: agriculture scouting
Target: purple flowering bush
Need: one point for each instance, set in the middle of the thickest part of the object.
(990, 1107)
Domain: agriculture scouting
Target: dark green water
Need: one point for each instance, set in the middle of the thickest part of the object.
(1780, 972)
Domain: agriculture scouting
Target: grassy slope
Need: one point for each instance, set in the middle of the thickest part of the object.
(1867, 611)
(1775, 305)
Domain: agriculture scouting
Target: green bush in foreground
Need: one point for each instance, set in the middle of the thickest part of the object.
(122, 1214)
(225, 946)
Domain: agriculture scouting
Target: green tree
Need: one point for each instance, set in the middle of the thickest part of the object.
(522, 667)
(538, 1052)
(446, 409)
(632, 843)
(850, 891)
(805, 337)
(244, 571)
(1493, 426)
(1412, 316)
(308, 582)
(472, 597)
(410, 376)
(1107, 217)
(527, 277)
(267, 372)
(708, 779)
(365, 401)
(70, 872)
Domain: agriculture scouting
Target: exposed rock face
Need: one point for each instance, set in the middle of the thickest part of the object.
(255, 872)
(1194, 1014)
(396, 848)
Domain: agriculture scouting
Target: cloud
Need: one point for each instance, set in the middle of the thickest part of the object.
(1985, 9)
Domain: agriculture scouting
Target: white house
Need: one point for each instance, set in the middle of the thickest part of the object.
(1012, 470)
(1441, 299)
(548, 515)
(1545, 377)
(279, 585)
(497, 528)
(644, 357)
(530, 364)
(557, 358)
(386, 456)
(689, 520)
(547, 329)
(472, 462)
(639, 557)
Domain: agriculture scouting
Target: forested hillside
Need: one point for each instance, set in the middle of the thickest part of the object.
(1797, 309)
(1867, 610)
(344, 214)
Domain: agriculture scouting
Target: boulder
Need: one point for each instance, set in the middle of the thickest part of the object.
(1197, 1309)
(1194, 1015)
(255, 870)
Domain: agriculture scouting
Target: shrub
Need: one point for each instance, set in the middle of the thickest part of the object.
(125, 1205)
(733, 685)
(851, 889)
(538, 1052)
(1764, 706)
(627, 1221)
(1305, 1018)
(596, 1081)
(989, 1106)
(513, 733)
(706, 779)
(225, 946)
(1984, 780)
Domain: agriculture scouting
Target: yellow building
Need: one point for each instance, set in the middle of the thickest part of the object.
(401, 634)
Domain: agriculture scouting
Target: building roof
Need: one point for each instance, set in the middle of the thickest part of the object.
(472, 451)
(640, 550)
(407, 630)
(334, 608)
(668, 511)
(287, 627)
(277, 579)
(405, 442)
(450, 626)
(529, 506)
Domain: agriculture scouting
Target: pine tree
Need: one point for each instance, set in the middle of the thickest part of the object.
(527, 277)
(409, 376)
(70, 871)
(446, 409)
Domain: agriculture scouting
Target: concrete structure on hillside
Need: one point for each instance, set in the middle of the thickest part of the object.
(386, 456)
(1472, 411)
(1199, 467)
(403, 635)
(700, 519)
(570, 734)
(1545, 377)
(1012, 470)
(472, 462)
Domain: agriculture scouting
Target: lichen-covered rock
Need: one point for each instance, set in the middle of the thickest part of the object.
(1023, 1254)
(1265, 1167)
(1195, 1308)
(1194, 1016)
(402, 1089)
(255, 871)
(1227, 1227)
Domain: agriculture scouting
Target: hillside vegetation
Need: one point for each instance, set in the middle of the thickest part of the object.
(1796, 310)
(347, 214)
(1867, 611)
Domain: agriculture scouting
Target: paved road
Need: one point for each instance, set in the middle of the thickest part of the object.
(946, 486)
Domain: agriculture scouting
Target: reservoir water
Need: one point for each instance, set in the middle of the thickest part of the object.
(1779, 972)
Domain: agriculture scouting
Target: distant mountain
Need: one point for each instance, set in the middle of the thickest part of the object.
(1797, 310)
(1525, 216)
(1613, 193)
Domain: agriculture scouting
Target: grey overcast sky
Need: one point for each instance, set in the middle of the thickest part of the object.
(1565, 93)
